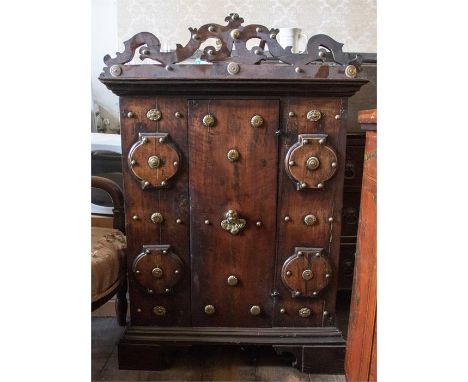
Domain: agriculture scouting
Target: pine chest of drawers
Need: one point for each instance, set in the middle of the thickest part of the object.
(233, 182)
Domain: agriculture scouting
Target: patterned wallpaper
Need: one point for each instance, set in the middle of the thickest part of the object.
(352, 22)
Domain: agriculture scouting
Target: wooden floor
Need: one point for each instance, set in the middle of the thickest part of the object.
(197, 364)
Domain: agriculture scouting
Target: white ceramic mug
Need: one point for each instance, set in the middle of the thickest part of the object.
(290, 37)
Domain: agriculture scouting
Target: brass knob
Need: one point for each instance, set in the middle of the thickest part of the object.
(256, 121)
(282, 311)
(209, 120)
(154, 115)
(154, 161)
(310, 219)
(307, 274)
(255, 310)
(233, 224)
(312, 163)
(157, 273)
(233, 155)
(314, 115)
(232, 280)
(157, 218)
(304, 312)
(209, 309)
(159, 310)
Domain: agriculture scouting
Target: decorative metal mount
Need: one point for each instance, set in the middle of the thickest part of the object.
(320, 48)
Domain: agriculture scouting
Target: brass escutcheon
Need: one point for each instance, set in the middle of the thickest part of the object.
(304, 312)
(157, 218)
(312, 163)
(159, 310)
(314, 115)
(255, 310)
(157, 273)
(233, 223)
(310, 219)
(307, 274)
(233, 155)
(209, 120)
(232, 280)
(154, 161)
(256, 121)
(154, 115)
(209, 309)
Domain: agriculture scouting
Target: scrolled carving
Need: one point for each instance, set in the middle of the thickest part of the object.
(319, 47)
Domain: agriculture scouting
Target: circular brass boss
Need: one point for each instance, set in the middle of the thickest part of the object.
(159, 310)
(209, 309)
(314, 115)
(312, 163)
(232, 280)
(233, 155)
(307, 274)
(304, 312)
(157, 273)
(351, 71)
(154, 115)
(255, 310)
(209, 120)
(154, 161)
(256, 121)
(157, 218)
(310, 219)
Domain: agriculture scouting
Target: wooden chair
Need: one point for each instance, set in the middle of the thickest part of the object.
(108, 260)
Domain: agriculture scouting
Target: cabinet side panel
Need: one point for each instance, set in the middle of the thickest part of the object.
(171, 202)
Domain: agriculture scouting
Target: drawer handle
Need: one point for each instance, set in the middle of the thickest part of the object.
(233, 224)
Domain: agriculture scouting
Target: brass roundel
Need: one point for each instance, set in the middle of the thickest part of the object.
(310, 219)
(233, 155)
(232, 280)
(209, 309)
(157, 218)
(233, 68)
(209, 120)
(314, 115)
(154, 114)
(255, 310)
(307, 274)
(159, 310)
(304, 312)
(154, 161)
(351, 71)
(256, 121)
(157, 273)
(312, 163)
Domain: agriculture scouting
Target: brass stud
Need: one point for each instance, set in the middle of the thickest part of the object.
(209, 309)
(322, 141)
(351, 71)
(291, 163)
(147, 251)
(330, 219)
(287, 218)
(258, 29)
(139, 310)
(137, 272)
(300, 253)
(144, 140)
(304, 312)
(207, 222)
(178, 221)
(157, 273)
(256, 121)
(176, 272)
(232, 280)
(305, 141)
(159, 310)
(328, 275)
(133, 162)
(255, 310)
(235, 33)
(167, 290)
(150, 291)
(164, 251)
(292, 114)
(298, 69)
(334, 164)
(297, 293)
(163, 183)
(282, 311)
(154, 114)
(233, 155)
(115, 70)
(310, 219)
(288, 273)
(175, 163)
(315, 293)
(209, 120)
(178, 114)
(320, 185)
(233, 68)
(314, 115)
(303, 185)
(338, 116)
(162, 140)
(325, 313)
(130, 114)
(135, 217)
(307, 274)
(258, 223)
(318, 254)
(169, 68)
(157, 218)
(212, 28)
(146, 184)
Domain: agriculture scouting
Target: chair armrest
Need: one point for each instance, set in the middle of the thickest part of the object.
(116, 195)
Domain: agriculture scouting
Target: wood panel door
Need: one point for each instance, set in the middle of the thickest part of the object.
(233, 161)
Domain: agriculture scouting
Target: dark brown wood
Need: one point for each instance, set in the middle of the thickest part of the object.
(223, 207)
(361, 353)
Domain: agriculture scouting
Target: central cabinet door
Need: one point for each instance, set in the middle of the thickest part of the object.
(233, 161)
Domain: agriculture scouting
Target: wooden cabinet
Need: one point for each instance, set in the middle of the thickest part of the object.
(233, 179)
